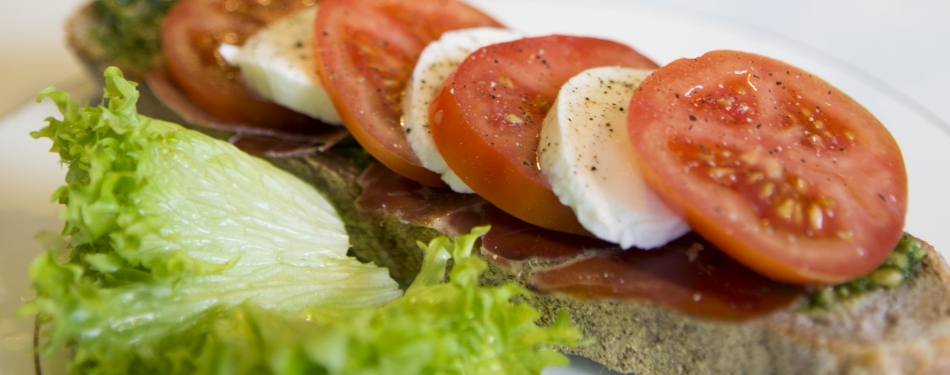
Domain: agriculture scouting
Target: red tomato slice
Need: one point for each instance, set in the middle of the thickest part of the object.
(191, 34)
(775, 166)
(487, 118)
(366, 52)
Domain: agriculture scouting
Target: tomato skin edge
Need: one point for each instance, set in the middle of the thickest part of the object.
(404, 167)
(411, 169)
(709, 230)
(450, 131)
(750, 256)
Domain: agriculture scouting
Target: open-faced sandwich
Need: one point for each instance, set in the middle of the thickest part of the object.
(729, 213)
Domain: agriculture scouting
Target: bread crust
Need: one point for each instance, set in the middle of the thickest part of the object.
(905, 330)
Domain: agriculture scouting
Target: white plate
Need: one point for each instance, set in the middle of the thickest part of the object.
(29, 174)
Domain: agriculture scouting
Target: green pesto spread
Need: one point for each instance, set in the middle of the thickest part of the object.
(129, 30)
(899, 267)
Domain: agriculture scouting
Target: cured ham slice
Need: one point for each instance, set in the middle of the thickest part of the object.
(689, 275)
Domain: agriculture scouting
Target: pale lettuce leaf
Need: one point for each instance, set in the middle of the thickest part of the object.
(183, 255)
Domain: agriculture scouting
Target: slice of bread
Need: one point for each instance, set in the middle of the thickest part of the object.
(904, 330)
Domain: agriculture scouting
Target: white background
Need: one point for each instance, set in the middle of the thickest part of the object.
(899, 49)
(904, 44)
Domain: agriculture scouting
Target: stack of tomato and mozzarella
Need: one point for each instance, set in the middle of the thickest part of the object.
(774, 166)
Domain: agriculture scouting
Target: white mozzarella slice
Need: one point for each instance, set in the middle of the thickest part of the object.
(437, 61)
(277, 63)
(587, 158)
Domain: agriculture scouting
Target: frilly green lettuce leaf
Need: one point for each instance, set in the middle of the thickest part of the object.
(455, 327)
(187, 256)
(164, 222)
